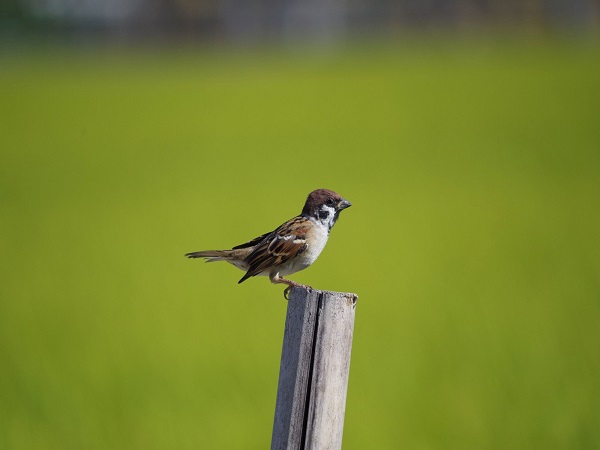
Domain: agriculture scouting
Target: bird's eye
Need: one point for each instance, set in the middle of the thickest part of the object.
(329, 202)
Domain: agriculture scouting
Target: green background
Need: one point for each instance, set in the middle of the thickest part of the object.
(473, 241)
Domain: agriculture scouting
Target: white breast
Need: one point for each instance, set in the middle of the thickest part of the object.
(316, 244)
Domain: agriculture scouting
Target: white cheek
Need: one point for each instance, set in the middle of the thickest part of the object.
(330, 209)
(329, 220)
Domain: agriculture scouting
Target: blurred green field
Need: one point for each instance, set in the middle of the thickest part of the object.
(473, 241)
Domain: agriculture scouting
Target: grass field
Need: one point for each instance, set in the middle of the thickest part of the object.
(473, 241)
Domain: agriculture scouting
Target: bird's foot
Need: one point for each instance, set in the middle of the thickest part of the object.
(286, 292)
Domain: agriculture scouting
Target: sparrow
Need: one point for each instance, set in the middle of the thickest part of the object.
(291, 247)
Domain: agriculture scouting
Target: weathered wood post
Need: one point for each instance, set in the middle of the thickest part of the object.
(315, 364)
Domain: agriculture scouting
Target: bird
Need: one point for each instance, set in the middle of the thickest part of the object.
(291, 247)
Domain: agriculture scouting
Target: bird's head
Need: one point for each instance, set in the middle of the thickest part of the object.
(324, 206)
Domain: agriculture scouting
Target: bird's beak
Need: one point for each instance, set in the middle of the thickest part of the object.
(343, 204)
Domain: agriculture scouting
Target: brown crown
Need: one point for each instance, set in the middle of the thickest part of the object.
(317, 198)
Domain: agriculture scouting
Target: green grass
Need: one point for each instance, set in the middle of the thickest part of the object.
(473, 242)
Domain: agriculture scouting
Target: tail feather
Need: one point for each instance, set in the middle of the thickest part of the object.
(237, 257)
(211, 255)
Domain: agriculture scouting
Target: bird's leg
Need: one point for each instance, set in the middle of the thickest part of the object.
(277, 279)
(286, 292)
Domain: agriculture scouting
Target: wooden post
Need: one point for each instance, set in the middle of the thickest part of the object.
(315, 364)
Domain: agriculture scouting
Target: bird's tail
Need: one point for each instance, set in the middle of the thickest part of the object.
(212, 255)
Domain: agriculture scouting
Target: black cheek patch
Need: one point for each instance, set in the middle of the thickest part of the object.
(323, 214)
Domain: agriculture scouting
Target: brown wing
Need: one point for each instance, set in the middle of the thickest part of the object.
(253, 242)
(287, 241)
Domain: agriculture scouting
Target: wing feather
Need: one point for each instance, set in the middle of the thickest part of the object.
(274, 249)
(253, 242)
